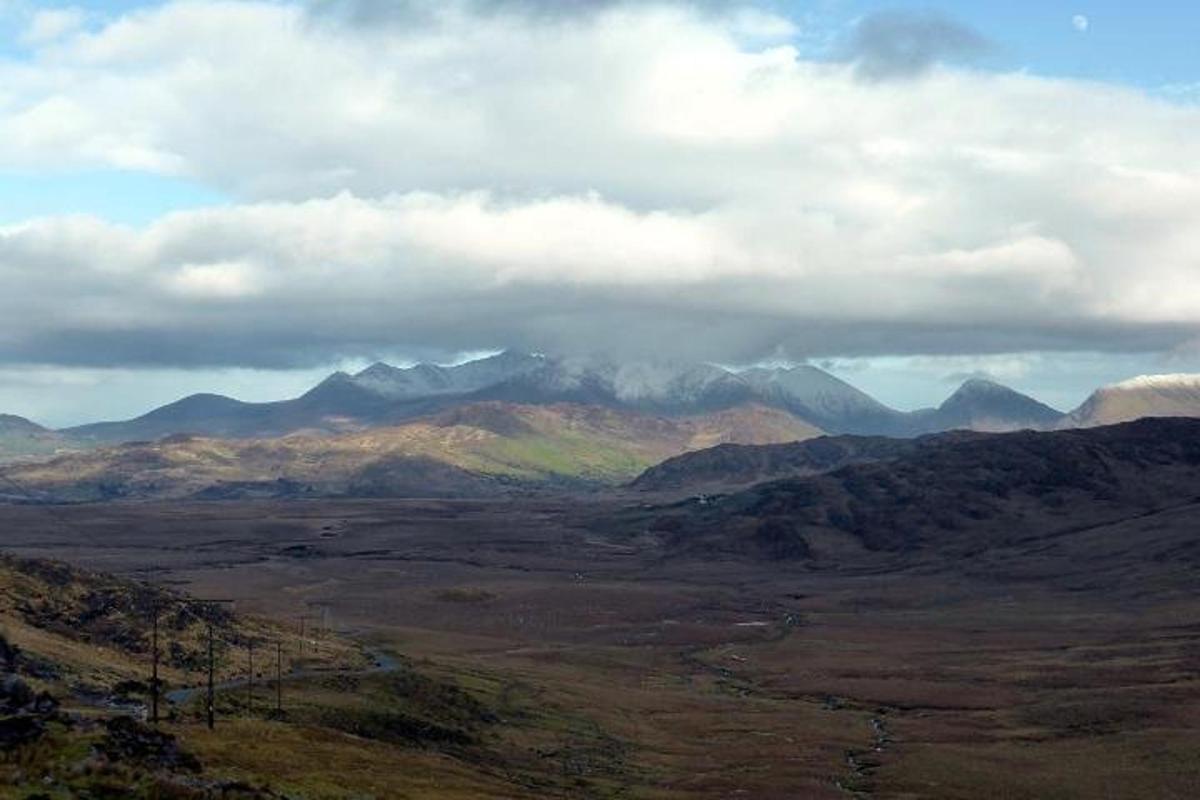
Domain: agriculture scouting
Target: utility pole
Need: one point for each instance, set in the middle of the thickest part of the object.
(154, 672)
(155, 683)
(212, 661)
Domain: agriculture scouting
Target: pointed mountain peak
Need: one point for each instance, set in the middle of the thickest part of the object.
(981, 387)
(983, 404)
(378, 369)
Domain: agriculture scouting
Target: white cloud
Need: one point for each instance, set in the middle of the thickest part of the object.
(216, 281)
(48, 25)
(643, 175)
(1081, 23)
(1181, 92)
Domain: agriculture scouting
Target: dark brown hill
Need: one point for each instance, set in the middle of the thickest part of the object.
(731, 466)
(958, 497)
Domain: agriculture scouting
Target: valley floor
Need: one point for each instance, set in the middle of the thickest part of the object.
(597, 667)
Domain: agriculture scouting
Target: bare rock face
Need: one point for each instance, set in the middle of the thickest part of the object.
(23, 712)
(130, 742)
(19, 731)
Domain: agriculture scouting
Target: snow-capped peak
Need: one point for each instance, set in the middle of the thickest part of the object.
(1180, 380)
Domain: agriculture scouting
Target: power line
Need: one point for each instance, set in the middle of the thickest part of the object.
(71, 529)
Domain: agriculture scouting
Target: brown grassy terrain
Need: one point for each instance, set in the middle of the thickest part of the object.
(472, 450)
(602, 665)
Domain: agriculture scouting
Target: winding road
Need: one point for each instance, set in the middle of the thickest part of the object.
(384, 663)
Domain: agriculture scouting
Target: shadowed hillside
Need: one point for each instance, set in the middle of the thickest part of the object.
(729, 466)
(957, 497)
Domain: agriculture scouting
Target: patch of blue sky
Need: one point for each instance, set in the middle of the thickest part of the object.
(1149, 44)
(128, 198)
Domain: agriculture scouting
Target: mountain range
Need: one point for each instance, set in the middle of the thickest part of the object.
(384, 396)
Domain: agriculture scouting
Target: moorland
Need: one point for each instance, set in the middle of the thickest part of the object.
(972, 615)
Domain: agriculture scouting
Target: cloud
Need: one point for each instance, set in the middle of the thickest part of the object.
(48, 25)
(903, 44)
(369, 13)
(646, 178)
(1081, 23)
(1181, 92)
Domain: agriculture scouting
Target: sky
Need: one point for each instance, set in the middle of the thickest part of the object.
(240, 197)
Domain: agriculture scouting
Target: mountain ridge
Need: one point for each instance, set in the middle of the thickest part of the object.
(382, 394)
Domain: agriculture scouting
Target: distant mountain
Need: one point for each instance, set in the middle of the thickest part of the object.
(386, 395)
(668, 388)
(983, 405)
(214, 414)
(379, 395)
(11, 425)
(20, 439)
(826, 401)
(383, 395)
(475, 449)
(431, 380)
(963, 496)
(1145, 396)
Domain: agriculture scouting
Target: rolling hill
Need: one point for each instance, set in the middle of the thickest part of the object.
(959, 496)
(477, 449)
(21, 439)
(730, 466)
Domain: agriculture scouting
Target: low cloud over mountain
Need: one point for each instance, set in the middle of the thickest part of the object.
(677, 179)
